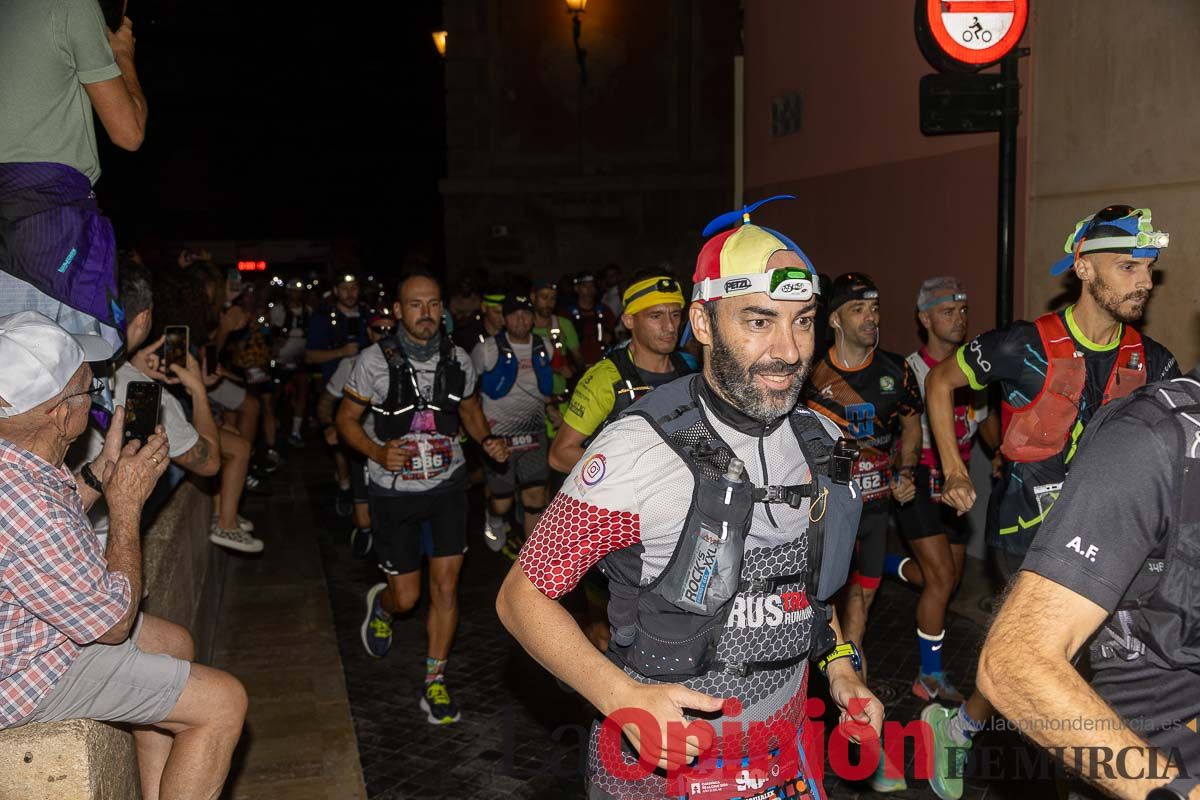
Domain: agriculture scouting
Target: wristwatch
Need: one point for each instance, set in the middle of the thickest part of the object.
(90, 478)
(1178, 789)
(843, 650)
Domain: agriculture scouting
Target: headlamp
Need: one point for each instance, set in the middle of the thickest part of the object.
(785, 283)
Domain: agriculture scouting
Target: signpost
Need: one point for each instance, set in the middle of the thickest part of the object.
(964, 36)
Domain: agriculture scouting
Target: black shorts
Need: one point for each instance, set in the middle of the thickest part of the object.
(926, 516)
(872, 543)
(396, 526)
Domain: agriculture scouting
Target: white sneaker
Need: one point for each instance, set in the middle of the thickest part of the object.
(234, 539)
(495, 532)
(246, 525)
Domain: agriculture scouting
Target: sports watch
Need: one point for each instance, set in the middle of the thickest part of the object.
(848, 650)
(1178, 789)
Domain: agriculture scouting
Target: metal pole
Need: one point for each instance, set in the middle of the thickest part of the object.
(1006, 210)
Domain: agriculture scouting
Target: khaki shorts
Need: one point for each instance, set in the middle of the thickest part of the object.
(227, 395)
(116, 683)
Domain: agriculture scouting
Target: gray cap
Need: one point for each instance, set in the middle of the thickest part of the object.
(935, 291)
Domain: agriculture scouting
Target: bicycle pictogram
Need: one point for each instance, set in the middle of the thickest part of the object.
(976, 31)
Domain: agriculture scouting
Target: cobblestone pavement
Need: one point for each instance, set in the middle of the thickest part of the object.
(520, 734)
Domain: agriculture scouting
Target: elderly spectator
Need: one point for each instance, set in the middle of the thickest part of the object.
(72, 643)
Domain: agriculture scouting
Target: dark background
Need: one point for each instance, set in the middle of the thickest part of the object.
(275, 120)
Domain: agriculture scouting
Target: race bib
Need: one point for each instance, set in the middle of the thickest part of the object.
(431, 457)
(522, 441)
(873, 470)
(774, 779)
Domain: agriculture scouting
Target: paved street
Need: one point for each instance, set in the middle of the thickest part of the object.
(520, 733)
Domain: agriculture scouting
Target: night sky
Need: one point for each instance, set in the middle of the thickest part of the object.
(274, 120)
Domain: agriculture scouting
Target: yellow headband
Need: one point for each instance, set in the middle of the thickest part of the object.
(651, 292)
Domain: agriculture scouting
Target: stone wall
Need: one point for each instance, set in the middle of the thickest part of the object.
(88, 760)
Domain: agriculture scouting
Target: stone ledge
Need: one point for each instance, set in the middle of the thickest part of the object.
(88, 760)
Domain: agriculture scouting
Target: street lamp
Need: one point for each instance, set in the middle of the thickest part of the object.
(439, 41)
(575, 8)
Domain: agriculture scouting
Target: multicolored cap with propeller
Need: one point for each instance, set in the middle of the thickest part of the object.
(734, 262)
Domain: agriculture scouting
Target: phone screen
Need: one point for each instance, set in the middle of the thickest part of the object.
(175, 348)
(142, 402)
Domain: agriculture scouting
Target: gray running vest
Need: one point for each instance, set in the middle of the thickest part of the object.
(1161, 612)
(669, 629)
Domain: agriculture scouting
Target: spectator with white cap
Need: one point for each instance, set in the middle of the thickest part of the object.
(72, 642)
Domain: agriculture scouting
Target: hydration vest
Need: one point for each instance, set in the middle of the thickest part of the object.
(630, 386)
(577, 315)
(293, 320)
(404, 399)
(1161, 612)
(669, 629)
(501, 378)
(1040, 430)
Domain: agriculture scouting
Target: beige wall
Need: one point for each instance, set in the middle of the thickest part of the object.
(874, 193)
(1115, 120)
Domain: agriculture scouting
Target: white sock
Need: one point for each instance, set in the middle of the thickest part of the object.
(962, 728)
(296, 423)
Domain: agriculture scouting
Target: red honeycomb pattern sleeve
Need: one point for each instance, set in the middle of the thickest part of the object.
(570, 538)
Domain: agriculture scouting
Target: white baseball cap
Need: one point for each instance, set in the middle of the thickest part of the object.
(39, 358)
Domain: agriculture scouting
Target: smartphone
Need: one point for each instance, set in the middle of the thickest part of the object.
(175, 348)
(233, 282)
(114, 13)
(143, 399)
(210, 358)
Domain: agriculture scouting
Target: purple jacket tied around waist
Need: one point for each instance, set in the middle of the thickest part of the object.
(53, 236)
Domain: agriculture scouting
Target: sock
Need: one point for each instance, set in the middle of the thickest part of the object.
(962, 728)
(435, 670)
(495, 523)
(931, 651)
(344, 484)
(893, 566)
(296, 423)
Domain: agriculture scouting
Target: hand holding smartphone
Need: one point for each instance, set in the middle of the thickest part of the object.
(143, 399)
(175, 347)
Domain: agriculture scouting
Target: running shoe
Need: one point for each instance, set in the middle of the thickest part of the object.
(360, 542)
(949, 757)
(273, 458)
(935, 686)
(295, 440)
(495, 532)
(377, 627)
(234, 539)
(437, 705)
(255, 485)
(882, 782)
(244, 524)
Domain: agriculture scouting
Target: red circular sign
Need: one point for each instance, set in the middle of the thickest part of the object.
(977, 32)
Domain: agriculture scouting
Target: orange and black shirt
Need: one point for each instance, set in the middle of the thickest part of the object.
(867, 402)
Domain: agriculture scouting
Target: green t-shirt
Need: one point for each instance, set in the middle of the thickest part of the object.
(48, 50)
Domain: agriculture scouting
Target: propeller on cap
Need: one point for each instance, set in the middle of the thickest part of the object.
(730, 217)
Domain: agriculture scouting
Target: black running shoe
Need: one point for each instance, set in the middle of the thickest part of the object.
(437, 705)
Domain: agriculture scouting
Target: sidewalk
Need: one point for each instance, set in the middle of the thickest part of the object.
(276, 636)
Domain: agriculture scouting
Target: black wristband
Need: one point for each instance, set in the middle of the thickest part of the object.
(90, 478)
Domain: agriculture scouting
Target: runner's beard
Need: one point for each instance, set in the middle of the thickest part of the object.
(736, 381)
(1116, 306)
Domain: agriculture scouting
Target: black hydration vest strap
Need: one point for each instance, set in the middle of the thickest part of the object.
(399, 369)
